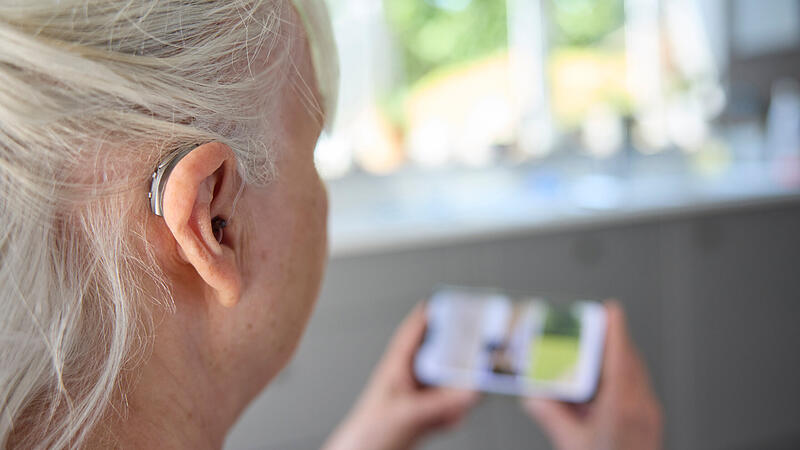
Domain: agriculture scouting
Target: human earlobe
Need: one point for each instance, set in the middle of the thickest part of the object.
(198, 200)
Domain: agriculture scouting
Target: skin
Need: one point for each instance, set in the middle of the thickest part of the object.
(242, 305)
(395, 412)
(624, 415)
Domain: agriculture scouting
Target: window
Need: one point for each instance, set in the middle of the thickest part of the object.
(486, 113)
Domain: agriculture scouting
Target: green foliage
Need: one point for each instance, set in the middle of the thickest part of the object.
(436, 33)
(561, 321)
(554, 358)
(585, 22)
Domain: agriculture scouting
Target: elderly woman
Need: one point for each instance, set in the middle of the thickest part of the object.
(165, 230)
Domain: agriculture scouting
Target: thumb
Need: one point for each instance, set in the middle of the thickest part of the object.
(558, 421)
(400, 353)
(442, 407)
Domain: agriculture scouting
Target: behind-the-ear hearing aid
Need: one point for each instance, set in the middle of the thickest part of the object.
(159, 183)
(160, 177)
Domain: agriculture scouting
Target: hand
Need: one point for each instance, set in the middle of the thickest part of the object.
(624, 415)
(394, 411)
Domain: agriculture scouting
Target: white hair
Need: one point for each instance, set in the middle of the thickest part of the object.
(93, 94)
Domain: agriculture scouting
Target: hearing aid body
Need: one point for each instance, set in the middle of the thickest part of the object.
(159, 183)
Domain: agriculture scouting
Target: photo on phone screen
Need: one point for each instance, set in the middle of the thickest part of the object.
(522, 346)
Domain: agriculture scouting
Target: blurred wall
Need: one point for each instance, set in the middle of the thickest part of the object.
(713, 302)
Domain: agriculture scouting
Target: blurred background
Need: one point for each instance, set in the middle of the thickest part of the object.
(647, 150)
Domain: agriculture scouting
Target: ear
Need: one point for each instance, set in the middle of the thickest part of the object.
(202, 186)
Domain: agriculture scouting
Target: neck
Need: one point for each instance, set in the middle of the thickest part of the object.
(176, 401)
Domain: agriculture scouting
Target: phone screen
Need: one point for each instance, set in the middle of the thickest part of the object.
(524, 346)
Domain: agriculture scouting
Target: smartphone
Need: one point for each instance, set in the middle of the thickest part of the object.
(518, 345)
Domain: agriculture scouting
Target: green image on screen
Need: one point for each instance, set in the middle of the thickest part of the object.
(555, 353)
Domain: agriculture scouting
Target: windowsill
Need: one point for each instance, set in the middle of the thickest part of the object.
(418, 209)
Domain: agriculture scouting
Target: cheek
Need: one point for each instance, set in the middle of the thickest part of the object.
(306, 258)
(289, 252)
(311, 245)
(307, 252)
(322, 209)
(316, 236)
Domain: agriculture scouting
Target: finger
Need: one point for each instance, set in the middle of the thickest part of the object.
(622, 366)
(407, 339)
(618, 344)
(558, 421)
(442, 407)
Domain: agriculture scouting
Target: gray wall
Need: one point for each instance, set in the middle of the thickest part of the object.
(713, 300)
